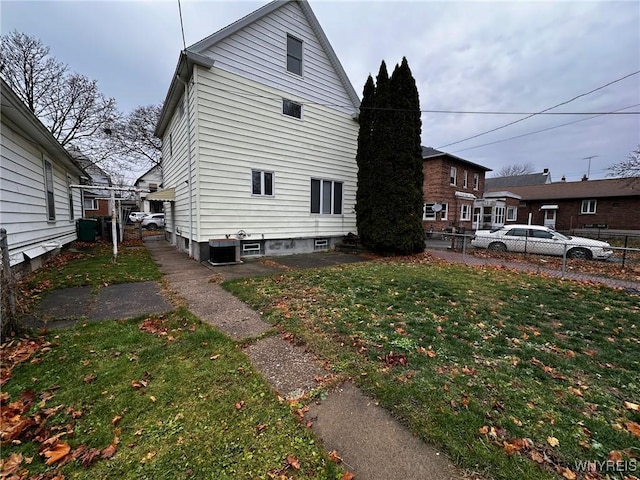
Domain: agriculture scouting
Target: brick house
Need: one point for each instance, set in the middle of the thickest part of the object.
(612, 204)
(452, 186)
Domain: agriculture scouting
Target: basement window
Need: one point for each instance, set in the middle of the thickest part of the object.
(252, 248)
(321, 244)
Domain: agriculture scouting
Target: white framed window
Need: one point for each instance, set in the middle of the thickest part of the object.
(291, 108)
(453, 176)
(477, 211)
(476, 181)
(262, 183)
(589, 206)
(252, 248)
(465, 212)
(326, 197)
(70, 192)
(90, 204)
(321, 244)
(465, 178)
(48, 186)
(294, 55)
(428, 213)
(512, 214)
(499, 215)
(444, 212)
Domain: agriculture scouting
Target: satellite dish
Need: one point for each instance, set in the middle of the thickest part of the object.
(436, 207)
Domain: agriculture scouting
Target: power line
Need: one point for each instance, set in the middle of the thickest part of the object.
(184, 43)
(538, 131)
(538, 113)
(271, 97)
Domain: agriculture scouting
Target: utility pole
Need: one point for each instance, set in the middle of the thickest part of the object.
(589, 167)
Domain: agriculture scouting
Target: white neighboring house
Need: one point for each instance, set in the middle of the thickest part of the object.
(37, 207)
(263, 153)
(151, 180)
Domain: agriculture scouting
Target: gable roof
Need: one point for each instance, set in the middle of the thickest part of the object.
(518, 180)
(615, 187)
(430, 153)
(193, 56)
(151, 170)
(17, 112)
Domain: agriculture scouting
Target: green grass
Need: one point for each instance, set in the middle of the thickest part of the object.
(529, 356)
(205, 412)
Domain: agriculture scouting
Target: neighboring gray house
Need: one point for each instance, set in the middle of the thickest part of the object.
(151, 180)
(95, 202)
(261, 157)
(496, 183)
(37, 206)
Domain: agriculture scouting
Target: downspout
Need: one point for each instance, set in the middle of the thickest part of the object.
(186, 96)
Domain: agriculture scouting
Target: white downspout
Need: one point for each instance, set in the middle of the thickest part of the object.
(186, 95)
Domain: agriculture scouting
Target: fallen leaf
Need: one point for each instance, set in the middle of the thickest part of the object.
(239, 404)
(633, 428)
(293, 462)
(11, 465)
(348, 476)
(553, 441)
(115, 420)
(568, 474)
(56, 453)
(333, 456)
(108, 452)
(632, 406)
(615, 456)
(576, 391)
(89, 378)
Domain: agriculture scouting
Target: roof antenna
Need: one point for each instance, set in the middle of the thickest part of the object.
(589, 167)
(184, 43)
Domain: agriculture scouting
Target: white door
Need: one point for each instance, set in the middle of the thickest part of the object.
(550, 218)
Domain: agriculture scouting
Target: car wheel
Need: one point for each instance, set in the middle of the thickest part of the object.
(497, 247)
(579, 253)
(152, 226)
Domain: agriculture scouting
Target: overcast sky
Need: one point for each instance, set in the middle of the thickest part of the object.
(465, 56)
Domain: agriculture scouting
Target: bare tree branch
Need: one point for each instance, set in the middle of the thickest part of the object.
(515, 170)
(629, 168)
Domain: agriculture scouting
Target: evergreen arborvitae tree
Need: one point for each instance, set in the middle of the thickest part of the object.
(389, 197)
(363, 160)
(408, 175)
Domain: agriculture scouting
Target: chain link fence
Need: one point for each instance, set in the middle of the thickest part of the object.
(620, 260)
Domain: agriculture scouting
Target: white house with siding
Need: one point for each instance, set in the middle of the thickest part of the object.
(262, 155)
(37, 207)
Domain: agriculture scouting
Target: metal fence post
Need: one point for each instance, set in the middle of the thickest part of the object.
(564, 259)
(624, 252)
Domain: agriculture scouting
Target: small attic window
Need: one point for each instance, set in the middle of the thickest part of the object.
(294, 55)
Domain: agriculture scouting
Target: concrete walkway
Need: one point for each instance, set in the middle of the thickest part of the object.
(372, 444)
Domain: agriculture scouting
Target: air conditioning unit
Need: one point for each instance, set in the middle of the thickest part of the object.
(224, 251)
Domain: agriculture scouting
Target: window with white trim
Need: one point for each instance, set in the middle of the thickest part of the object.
(465, 176)
(499, 215)
(250, 248)
(428, 213)
(452, 176)
(294, 55)
(326, 197)
(48, 185)
(262, 183)
(476, 181)
(70, 192)
(291, 109)
(444, 211)
(512, 214)
(465, 212)
(588, 206)
(90, 204)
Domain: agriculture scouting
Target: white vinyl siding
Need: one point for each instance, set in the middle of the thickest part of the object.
(245, 131)
(23, 211)
(259, 52)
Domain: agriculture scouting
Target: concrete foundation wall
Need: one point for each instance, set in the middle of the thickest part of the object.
(285, 246)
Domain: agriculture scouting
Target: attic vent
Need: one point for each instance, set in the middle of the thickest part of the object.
(224, 251)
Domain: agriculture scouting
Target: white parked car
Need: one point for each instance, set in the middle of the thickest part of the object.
(542, 240)
(136, 217)
(153, 221)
